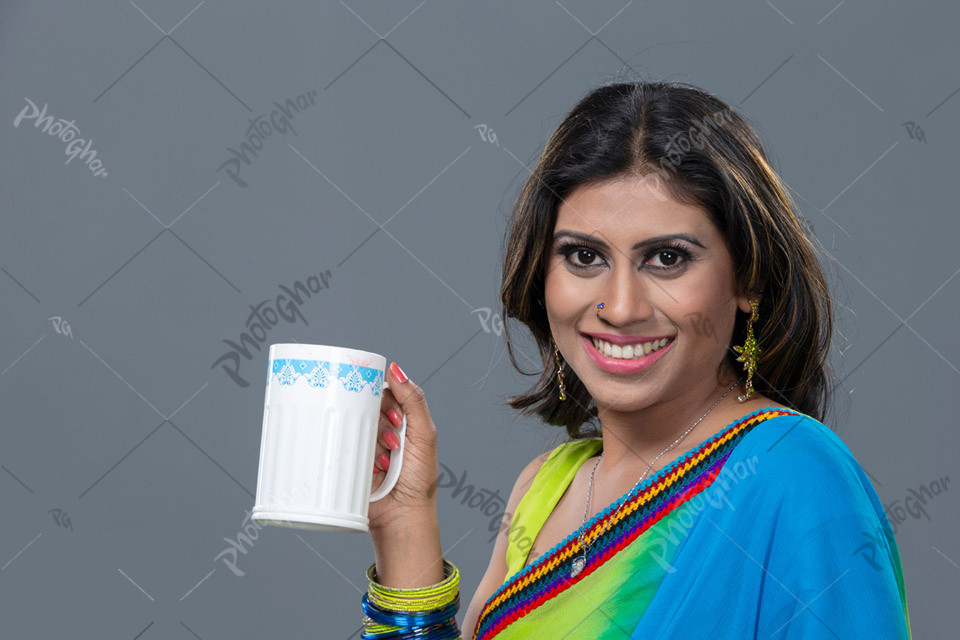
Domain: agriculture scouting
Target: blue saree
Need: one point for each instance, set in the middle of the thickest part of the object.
(768, 529)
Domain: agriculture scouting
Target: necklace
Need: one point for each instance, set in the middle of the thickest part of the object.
(580, 562)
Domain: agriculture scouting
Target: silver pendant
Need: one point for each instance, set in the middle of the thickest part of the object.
(578, 565)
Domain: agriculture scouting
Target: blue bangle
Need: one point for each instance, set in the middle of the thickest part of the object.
(445, 631)
(406, 619)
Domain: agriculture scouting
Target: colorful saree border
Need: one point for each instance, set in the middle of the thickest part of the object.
(666, 490)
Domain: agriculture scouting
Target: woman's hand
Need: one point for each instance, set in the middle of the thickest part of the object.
(415, 492)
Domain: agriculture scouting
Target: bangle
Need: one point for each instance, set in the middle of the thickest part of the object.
(421, 613)
(417, 598)
(409, 619)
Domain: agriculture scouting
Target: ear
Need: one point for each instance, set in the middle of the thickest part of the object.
(743, 301)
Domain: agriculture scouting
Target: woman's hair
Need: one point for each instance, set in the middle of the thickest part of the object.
(703, 153)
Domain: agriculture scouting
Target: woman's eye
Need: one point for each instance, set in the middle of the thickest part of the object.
(661, 259)
(585, 257)
(667, 258)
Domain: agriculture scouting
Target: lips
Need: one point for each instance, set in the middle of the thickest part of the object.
(615, 365)
(628, 351)
(614, 339)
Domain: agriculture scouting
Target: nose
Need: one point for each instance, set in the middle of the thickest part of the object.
(625, 295)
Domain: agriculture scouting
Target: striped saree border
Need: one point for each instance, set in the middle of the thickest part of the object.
(675, 484)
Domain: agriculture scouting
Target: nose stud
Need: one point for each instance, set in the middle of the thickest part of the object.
(599, 306)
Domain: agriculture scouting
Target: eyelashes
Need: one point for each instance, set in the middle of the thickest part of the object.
(567, 249)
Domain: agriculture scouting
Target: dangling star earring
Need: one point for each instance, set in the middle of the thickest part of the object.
(556, 353)
(749, 352)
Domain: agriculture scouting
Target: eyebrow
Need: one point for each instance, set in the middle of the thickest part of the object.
(584, 237)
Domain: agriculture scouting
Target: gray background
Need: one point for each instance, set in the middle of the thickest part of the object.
(123, 423)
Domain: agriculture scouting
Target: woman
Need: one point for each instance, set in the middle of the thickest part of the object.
(680, 312)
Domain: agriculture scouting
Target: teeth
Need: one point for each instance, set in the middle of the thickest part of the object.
(629, 351)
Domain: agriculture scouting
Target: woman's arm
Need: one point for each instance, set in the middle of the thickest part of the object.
(408, 553)
(497, 570)
(403, 524)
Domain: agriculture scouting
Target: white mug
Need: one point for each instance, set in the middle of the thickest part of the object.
(321, 409)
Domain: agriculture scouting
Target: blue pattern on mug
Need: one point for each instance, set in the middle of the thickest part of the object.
(320, 373)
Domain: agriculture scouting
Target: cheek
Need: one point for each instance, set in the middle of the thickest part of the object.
(705, 316)
(565, 294)
(711, 324)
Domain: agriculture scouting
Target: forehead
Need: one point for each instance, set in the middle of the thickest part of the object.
(634, 206)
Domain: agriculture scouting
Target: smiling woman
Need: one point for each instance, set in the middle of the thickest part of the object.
(656, 257)
(650, 241)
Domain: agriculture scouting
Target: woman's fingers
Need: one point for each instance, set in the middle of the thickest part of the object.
(392, 411)
(381, 458)
(413, 403)
(388, 440)
(403, 408)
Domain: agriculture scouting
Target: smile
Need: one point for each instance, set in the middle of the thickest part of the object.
(628, 351)
(629, 358)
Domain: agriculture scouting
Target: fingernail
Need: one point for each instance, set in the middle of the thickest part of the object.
(391, 440)
(395, 417)
(398, 372)
(383, 461)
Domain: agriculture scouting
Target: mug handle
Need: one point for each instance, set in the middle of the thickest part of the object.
(396, 461)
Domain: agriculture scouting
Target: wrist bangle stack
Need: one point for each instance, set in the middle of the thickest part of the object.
(424, 613)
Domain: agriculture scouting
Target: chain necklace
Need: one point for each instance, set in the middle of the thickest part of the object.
(580, 562)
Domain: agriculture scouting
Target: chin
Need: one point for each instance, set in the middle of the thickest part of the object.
(624, 403)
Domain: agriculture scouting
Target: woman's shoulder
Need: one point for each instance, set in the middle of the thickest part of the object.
(558, 460)
(794, 495)
(574, 448)
(800, 459)
(790, 437)
(563, 459)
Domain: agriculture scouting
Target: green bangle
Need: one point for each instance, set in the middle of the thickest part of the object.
(426, 598)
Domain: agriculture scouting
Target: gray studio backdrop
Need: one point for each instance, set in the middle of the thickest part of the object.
(391, 138)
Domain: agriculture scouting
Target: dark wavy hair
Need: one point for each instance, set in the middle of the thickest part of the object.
(703, 153)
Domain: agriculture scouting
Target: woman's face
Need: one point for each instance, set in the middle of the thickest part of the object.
(662, 270)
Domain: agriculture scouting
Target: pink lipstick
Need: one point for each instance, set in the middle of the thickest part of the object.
(618, 365)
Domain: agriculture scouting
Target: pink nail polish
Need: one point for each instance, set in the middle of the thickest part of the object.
(391, 440)
(398, 372)
(395, 417)
(383, 461)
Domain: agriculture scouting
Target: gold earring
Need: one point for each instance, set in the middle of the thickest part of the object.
(556, 353)
(749, 352)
